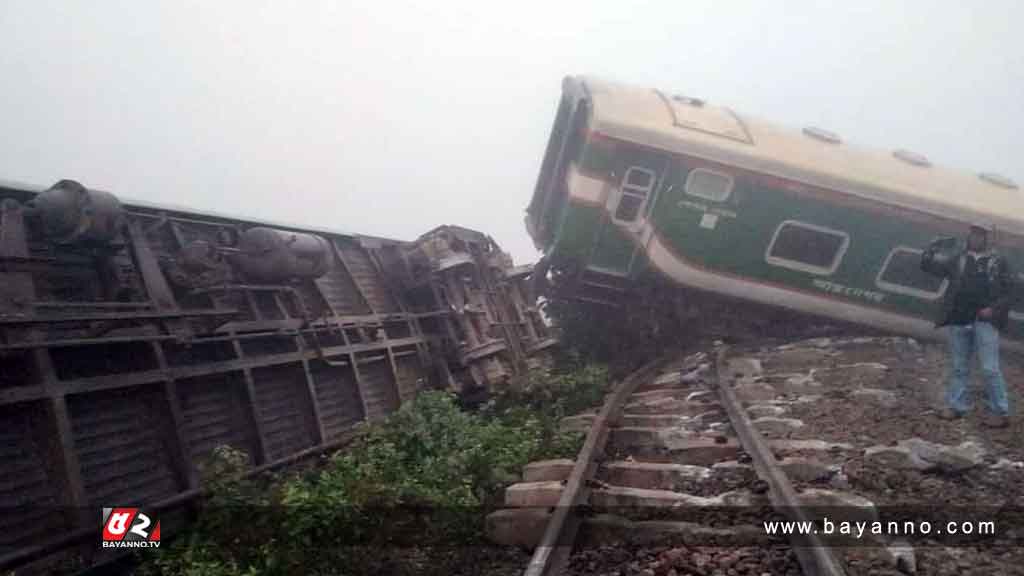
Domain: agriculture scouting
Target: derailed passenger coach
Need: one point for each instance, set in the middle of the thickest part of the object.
(637, 181)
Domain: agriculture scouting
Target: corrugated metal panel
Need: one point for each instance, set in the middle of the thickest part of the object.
(268, 306)
(340, 292)
(26, 493)
(379, 385)
(311, 300)
(409, 372)
(367, 278)
(337, 396)
(211, 414)
(282, 402)
(121, 447)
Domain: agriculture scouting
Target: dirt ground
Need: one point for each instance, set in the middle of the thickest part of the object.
(911, 377)
(915, 374)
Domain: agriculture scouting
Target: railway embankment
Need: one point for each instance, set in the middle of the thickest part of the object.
(852, 422)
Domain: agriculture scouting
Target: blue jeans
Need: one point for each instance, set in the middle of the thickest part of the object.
(963, 342)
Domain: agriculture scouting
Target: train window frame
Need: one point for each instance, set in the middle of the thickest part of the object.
(903, 289)
(688, 188)
(634, 191)
(837, 259)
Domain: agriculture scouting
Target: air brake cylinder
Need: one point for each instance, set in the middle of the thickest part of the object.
(69, 212)
(271, 256)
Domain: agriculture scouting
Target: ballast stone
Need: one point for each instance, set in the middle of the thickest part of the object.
(839, 506)
(743, 368)
(750, 391)
(883, 398)
(762, 410)
(918, 454)
(947, 458)
(1006, 464)
(805, 469)
(775, 426)
(802, 385)
(902, 556)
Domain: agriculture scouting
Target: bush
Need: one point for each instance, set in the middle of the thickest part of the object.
(426, 475)
(546, 397)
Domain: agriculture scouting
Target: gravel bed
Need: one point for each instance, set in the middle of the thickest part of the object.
(916, 375)
(669, 560)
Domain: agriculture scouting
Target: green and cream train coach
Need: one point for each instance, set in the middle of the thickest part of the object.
(635, 180)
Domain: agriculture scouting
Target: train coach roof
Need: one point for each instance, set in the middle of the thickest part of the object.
(816, 157)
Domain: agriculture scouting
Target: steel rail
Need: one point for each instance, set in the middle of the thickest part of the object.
(552, 553)
(816, 559)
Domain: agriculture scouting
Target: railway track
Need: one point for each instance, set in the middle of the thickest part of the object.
(689, 456)
(674, 424)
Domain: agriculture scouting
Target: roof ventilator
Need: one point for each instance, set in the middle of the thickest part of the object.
(912, 158)
(823, 135)
(998, 180)
(696, 102)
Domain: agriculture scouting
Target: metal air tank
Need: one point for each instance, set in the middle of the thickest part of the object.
(272, 256)
(69, 212)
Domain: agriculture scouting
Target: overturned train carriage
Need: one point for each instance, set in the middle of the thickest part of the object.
(134, 339)
(640, 184)
(490, 314)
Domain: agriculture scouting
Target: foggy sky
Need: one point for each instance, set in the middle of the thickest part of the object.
(390, 118)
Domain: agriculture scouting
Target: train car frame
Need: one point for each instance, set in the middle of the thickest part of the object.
(135, 339)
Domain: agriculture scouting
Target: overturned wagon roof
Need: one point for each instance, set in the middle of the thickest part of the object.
(814, 156)
(25, 191)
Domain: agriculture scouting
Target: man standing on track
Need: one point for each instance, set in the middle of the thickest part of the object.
(975, 308)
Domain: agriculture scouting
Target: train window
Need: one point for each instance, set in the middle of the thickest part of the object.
(709, 185)
(638, 178)
(629, 208)
(807, 247)
(901, 274)
(636, 187)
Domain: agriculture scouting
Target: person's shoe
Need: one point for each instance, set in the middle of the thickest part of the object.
(949, 414)
(997, 421)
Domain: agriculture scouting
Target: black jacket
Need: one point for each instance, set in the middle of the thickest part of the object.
(946, 258)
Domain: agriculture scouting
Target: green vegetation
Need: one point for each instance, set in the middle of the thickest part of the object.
(425, 477)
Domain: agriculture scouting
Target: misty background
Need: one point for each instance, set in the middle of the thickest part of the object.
(391, 118)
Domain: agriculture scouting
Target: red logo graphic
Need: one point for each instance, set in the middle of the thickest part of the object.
(129, 528)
